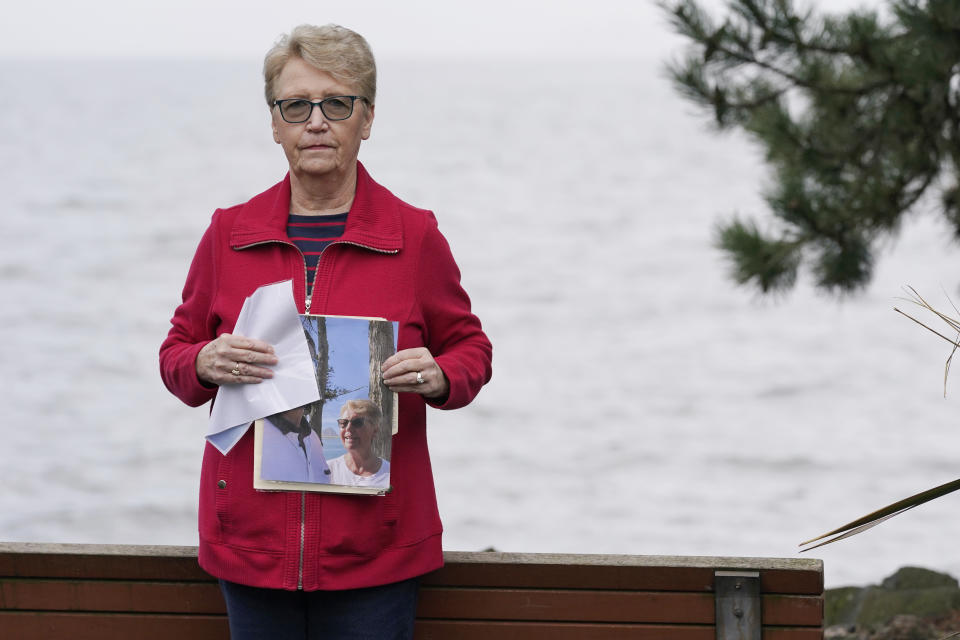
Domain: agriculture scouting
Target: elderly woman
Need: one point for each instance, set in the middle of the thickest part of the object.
(305, 565)
(359, 422)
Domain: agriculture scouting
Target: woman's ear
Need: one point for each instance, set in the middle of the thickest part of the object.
(273, 125)
(365, 133)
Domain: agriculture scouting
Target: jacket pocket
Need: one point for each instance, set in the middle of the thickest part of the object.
(357, 525)
(233, 511)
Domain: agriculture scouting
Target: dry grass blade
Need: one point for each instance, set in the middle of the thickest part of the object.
(918, 300)
(954, 343)
(852, 532)
(873, 519)
(946, 370)
(881, 515)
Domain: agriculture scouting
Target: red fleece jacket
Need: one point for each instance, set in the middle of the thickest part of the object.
(391, 262)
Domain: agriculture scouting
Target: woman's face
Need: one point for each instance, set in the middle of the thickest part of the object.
(356, 431)
(318, 146)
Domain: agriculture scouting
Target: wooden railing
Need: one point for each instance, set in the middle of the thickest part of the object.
(87, 592)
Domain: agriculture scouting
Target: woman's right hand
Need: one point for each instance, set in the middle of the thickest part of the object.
(220, 358)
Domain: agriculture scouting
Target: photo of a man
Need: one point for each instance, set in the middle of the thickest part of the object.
(292, 450)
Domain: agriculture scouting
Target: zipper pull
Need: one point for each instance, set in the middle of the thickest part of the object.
(306, 307)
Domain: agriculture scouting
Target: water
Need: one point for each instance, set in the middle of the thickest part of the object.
(640, 403)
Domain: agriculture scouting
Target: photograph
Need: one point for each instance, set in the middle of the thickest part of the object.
(341, 442)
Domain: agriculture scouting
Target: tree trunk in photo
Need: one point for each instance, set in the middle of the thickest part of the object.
(381, 348)
(320, 354)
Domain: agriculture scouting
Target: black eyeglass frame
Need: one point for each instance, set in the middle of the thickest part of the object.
(355, 422)
(318, 103)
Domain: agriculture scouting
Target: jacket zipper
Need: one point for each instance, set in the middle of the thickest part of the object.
(303, 527)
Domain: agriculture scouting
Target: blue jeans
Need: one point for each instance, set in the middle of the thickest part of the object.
(375, 613)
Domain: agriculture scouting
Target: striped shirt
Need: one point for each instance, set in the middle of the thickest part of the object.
(312, 234)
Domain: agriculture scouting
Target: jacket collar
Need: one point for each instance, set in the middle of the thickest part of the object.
(374, 220)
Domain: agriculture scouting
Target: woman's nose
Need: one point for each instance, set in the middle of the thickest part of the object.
(316, 121)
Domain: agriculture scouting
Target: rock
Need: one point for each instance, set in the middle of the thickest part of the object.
(879, 605)
(913, 592)
(840, 632)
(918, 578)
(905, 627)
(900, 627)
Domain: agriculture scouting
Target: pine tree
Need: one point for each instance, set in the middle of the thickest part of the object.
(858, 116)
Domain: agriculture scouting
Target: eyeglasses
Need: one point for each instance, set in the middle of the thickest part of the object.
(356, 423)
(297, 110)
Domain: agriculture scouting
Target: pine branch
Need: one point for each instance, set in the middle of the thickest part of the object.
(858, 118)
(761, 101)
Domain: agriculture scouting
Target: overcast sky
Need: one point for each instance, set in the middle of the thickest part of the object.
(246, 28)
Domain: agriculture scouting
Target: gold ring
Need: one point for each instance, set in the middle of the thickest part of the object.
(236, 369)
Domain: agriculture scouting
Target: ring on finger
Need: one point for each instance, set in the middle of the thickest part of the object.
(236, 369)
(420, 379)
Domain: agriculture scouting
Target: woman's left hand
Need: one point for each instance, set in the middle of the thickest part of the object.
(415, 371)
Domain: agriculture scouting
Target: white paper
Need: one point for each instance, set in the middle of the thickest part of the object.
(270, 314)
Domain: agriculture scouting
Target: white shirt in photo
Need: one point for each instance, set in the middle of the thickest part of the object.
(341, 474)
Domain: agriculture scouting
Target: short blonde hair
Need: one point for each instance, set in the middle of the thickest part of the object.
(365, 408)
(342, 53)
